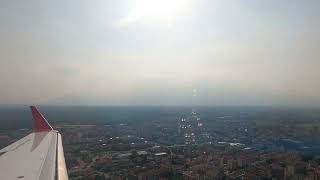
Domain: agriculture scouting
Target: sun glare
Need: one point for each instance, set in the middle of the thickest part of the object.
(159, 11)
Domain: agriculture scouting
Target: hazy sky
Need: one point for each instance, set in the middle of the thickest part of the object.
(149, 52)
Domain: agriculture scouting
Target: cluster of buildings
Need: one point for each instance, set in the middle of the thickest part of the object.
(192, 129)
(91, 153)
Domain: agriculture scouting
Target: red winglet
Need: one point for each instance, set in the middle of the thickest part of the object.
(40, 124)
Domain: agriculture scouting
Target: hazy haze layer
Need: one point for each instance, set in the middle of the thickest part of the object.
(208, 53)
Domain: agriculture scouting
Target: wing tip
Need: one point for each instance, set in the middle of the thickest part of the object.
(40, 124)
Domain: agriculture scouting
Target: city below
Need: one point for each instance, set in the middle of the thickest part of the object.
(181, 143)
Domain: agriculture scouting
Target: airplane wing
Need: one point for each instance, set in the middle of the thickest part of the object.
(38, 156)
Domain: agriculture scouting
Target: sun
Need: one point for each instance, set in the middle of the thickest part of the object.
(158, 11)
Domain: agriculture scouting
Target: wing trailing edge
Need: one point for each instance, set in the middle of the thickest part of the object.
(40, 124)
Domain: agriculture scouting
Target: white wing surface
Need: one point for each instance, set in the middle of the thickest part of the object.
(38, 156)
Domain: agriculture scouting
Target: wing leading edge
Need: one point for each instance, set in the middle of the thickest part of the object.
(38, 156)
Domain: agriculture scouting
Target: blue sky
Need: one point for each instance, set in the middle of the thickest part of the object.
(133, 52)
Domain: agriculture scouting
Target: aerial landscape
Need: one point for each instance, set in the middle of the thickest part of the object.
(180, 142)
(159, 90)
